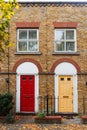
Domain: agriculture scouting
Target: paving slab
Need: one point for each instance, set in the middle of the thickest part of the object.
(27, 123)
(74, 120)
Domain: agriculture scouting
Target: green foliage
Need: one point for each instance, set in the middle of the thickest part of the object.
(5, 104)
(80, 115)
(9, 118)
(41, 115)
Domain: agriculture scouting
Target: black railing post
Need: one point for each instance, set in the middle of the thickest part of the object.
(41, 103)
(44, 103)
(47, 105)
(83, 105)
(51, 106)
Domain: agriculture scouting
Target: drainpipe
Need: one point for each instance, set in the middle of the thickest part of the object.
(8, 72)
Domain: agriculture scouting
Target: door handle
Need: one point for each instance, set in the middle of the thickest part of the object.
(27, 96)
(65, 96)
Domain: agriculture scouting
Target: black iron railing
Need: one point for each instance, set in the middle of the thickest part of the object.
(47, 104)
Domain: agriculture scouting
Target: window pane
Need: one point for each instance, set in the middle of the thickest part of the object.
(70, 46)
(22, 34)
(70, 34)
(32, 46)
(22, 46)
(60, 46)
(59, 35)
(32, 34)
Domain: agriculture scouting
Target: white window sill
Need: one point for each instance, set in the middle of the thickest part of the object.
(26, 53)
(66, 53)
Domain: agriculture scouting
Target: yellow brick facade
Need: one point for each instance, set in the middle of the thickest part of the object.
(46, 14)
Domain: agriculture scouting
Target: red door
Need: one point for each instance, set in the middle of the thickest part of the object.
(27, 99)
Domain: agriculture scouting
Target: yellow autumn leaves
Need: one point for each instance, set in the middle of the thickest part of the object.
(7, 10)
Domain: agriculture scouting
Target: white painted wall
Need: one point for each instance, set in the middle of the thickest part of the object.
(66, 68)
(27, 68)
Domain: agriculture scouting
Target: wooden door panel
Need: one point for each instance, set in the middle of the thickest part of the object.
(65, 105)
(65, 93)
(27, 93)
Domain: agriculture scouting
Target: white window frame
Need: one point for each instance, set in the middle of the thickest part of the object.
(65, 40)
(27, 40)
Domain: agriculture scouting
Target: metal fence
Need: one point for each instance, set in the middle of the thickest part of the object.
(47, 104)
(84, 105)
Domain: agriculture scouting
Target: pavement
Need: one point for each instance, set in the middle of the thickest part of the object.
(72, 120)
(27, 123)
(65, 120)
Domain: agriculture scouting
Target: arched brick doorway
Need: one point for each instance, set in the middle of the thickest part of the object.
(27, 85)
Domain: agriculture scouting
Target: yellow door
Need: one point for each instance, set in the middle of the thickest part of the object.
(65, 93)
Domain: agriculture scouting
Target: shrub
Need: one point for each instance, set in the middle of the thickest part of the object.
(9, 118)
(5, 104)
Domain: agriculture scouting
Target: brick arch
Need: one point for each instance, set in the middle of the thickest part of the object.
(27, 60)
(65, 60)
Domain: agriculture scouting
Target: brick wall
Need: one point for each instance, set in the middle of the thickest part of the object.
(46, 16)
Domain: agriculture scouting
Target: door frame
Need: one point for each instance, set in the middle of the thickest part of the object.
(27, 68)
(18, 92)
